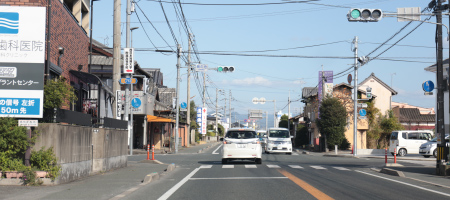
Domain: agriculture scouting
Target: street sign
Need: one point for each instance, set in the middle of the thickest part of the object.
(128, 81)
(33, 123)
(362, 105)
(183, 105)
(349, 78)
(128, 61)
(262, 100)
(136, 102)
(362, 117)
(362, 112)
(201, 68)
(255, 100)
(428, 86)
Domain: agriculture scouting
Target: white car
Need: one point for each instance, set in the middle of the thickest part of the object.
(278, 141)
(241, 144)
(429, 148)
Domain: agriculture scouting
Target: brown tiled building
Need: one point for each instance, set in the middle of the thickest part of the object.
(412, 119)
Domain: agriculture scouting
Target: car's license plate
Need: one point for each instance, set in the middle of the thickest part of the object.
(241, 145)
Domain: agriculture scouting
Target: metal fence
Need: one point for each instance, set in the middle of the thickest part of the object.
(78, 118)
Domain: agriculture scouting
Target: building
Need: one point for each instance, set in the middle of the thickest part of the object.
(383, 92)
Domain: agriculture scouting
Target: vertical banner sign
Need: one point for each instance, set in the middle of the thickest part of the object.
(22, 58)
(128, 61)
(204, 120)
(199, 119)
(328, 75)
(119, 102)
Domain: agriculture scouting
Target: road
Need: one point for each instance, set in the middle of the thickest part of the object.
(202, 176)
(280, 176)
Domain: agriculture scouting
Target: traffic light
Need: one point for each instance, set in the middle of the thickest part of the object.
(364, 15)
(369, 92)
(225, 69)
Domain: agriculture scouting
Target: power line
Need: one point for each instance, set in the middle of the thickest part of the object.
(257, 4)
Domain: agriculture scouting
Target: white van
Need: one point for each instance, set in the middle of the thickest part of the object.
(408, 141)
(278, 141)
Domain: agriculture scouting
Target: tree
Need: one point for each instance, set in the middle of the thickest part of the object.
(193, 116)
(332, 121)
(301, 136)
(57, 93)
(284, 122)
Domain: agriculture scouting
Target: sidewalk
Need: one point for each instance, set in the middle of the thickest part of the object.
(413, 167)
(194, 148)
(108, 185)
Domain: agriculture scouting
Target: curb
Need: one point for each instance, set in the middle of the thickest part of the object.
(151, 177)
(392, 172)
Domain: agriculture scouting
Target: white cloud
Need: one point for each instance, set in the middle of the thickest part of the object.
(258, 81)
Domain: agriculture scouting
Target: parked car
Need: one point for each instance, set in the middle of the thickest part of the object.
(278, 141)
(405, 141)
(429, 148)
(241, 144)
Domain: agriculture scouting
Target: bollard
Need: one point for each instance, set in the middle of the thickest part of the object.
(335, 149)
(395, 155)
(385, 155)
(148, 151)
(153, 152)
(352, 149)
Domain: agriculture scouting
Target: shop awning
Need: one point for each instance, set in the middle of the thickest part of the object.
(151, 118)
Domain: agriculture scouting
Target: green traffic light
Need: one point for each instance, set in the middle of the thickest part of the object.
(355, 13)
(220, 69)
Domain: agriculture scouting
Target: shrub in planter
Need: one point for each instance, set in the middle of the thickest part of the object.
(30, 178)
(45, 160)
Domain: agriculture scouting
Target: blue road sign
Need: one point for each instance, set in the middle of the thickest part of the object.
(128, 81)
(183, 105)
(136, 102)
(428, 86)
(362, 112)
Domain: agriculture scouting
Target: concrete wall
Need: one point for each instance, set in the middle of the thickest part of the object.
(83, 150)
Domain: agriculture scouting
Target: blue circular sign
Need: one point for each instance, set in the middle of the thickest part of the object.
(183, 105)
(362, 113)
(136, 102)
(428, 86)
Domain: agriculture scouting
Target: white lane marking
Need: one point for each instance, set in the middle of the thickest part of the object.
(250, 166)
(228, 166)
(296, 166)
(317, 167)
(408, 184)
(214, 152)
(273, 166)
(206, 166)
(178, 185)
(341, 168)
(238, 178)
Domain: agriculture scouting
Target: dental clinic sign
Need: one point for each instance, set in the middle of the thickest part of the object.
(22, 58)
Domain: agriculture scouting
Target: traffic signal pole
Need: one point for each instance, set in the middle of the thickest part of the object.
(355, 99)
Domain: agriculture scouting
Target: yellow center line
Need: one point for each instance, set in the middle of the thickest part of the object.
(310, 189)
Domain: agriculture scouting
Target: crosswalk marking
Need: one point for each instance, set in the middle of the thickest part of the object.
(228, 166)
(273, 166)
(317, 167)
(206, 166)
(250, 166)
(341, 168)
(296, 166)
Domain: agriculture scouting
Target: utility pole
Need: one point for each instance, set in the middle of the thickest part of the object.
(289, 112)
(355, 99)
(127, 86)
(188, 113)
(217, 101)
(440, 129)
(229, 107)
(204, 89)
(323, 97)
(275, 119)
(177, 99)
(116, 55)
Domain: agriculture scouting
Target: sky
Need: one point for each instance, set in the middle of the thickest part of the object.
(276, 48)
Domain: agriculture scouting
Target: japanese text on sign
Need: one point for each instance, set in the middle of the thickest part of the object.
(19, 106)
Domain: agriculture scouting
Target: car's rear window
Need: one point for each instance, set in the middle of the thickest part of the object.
(394, 135)
(279, 133)
(241, 134)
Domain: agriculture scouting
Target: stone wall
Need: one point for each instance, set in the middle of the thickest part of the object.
(82, 151)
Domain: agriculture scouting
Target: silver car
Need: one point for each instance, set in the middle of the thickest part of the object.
(429, 148)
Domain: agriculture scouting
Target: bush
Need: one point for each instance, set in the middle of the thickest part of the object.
(45, 160)
(345, 145)
(301, 137)
(29, 177)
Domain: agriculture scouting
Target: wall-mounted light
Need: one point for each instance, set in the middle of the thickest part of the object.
(61, 50)
(80, 67)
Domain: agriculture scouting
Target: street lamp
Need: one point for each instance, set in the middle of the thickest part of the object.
(131, 38)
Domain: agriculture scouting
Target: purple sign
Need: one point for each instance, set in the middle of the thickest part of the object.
(328, 75)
